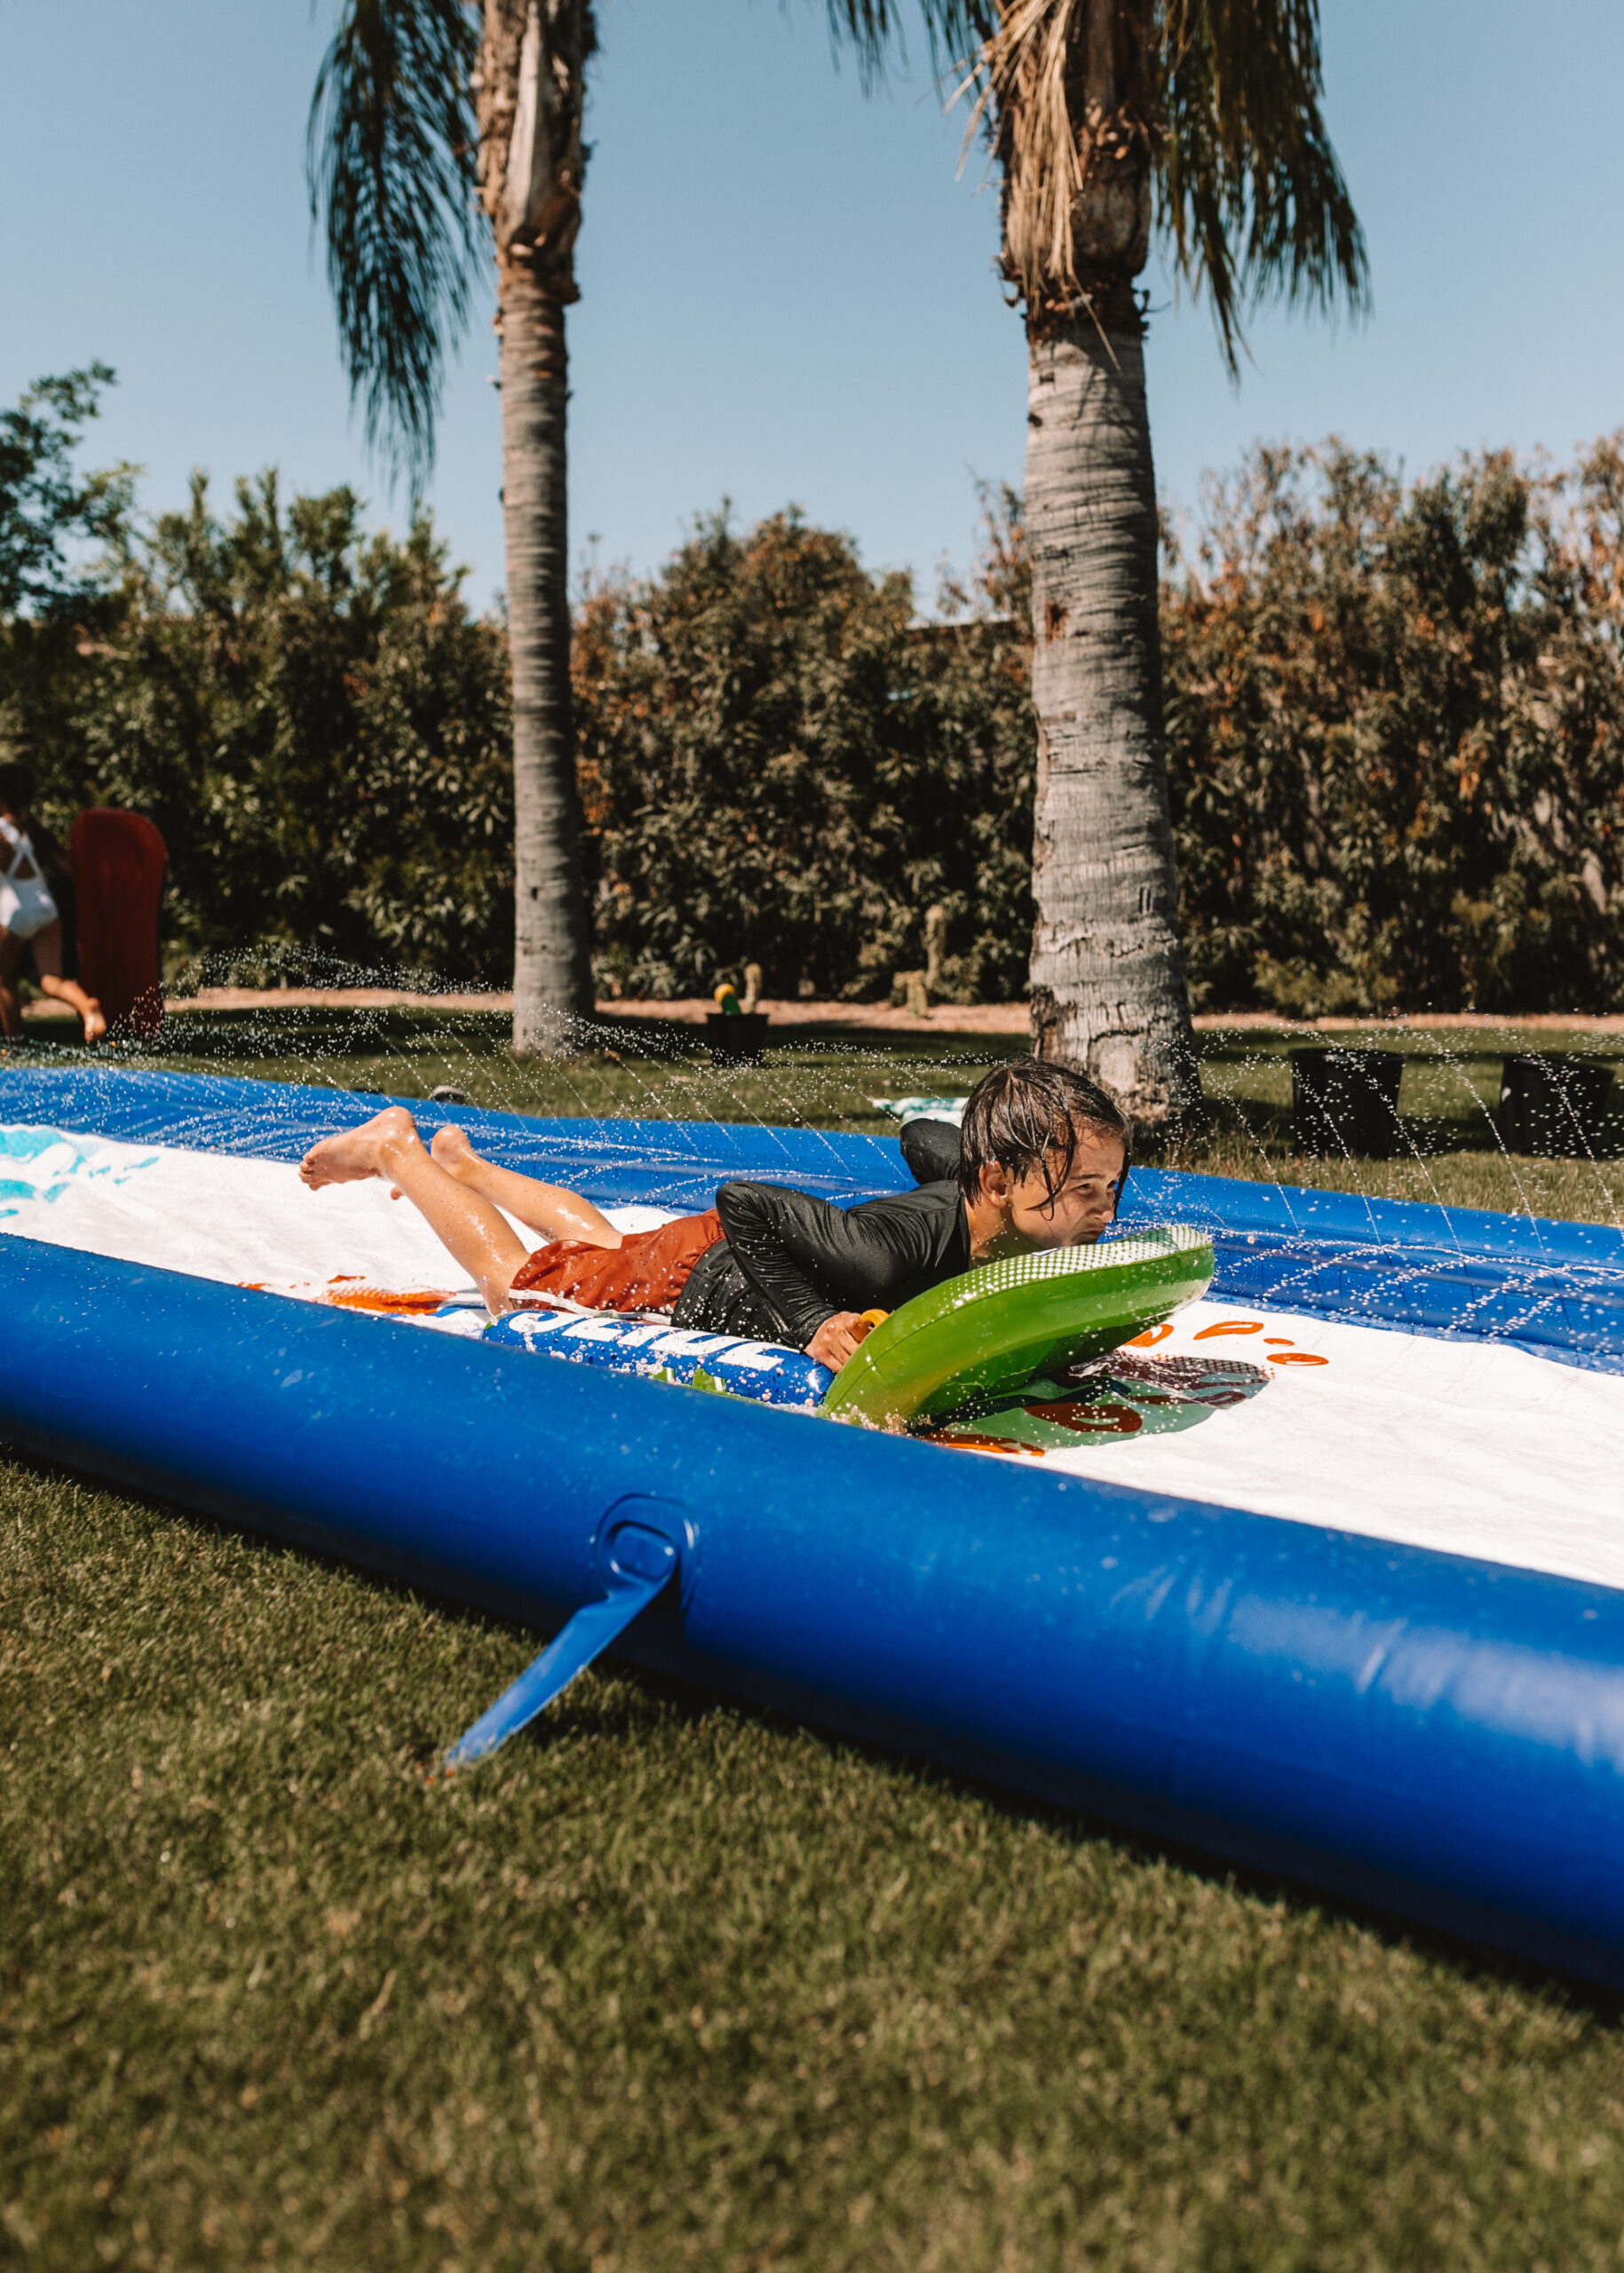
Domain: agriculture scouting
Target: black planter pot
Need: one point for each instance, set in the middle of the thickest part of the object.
(1345, 1101)
(1554, 1106)
(736, 1037)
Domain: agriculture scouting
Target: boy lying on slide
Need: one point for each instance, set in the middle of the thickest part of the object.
(1043, 1154)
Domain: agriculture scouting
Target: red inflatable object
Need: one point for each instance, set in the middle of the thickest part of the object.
(119, 860)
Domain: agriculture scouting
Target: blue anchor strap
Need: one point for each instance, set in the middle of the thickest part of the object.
(643, 1562)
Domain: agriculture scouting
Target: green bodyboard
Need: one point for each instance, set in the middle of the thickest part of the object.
(977, 1340)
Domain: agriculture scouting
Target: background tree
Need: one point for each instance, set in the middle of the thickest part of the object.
(1395, 725)
(310, 715)
(45, 505)
(1396, 729)
(778, 765)
(56, 525)
(1105, 117)
(428, 114)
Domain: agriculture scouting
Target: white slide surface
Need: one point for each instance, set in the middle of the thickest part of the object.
(250, 1222)
(1472, 1447)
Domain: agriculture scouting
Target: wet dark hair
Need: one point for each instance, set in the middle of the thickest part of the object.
(1026, 1116)
(17, 787)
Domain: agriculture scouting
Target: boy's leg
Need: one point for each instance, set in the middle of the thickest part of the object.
(47, 943)
(475, 1233)
(546, 1207)
(12, 953)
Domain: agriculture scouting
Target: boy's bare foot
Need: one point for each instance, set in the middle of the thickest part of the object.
(95, 1024)
(358, 1153)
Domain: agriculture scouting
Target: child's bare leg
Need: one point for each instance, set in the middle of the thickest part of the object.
(47, 945)
(474, 1232)
(546, 1207)
(12, 953)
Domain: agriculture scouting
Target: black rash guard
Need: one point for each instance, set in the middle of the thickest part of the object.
(931, 1150)
(789, 1262)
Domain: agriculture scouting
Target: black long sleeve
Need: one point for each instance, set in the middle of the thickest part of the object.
(931, 1150)
(807, 1259)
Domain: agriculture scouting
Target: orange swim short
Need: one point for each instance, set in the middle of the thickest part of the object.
(647, 1272)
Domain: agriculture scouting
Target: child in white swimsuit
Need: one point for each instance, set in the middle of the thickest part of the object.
(26, 905)
(29, 917)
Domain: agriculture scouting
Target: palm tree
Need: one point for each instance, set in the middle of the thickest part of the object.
(441, 132)
(1107, 118)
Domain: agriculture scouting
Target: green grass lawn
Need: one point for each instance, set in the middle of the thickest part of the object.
(668, 1983)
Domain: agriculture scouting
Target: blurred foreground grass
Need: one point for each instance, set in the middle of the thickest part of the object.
(669, 1985)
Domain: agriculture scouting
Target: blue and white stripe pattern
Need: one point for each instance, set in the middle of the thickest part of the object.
(762, 1371)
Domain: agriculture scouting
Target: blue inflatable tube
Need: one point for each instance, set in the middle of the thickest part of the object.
(1440, 1737)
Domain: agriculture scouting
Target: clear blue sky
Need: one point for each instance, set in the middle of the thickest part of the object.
(786, 294)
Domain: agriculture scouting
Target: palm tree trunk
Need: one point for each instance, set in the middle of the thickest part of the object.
(1108, 986)
(552, 968)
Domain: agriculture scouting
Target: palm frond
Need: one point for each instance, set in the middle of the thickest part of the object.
(1227, 103)
(954, 28)
(390, 160)
(1025, 102)
(872, 27)
(1252, 199)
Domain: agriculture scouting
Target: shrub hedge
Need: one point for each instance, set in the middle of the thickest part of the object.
(1395, 725)
(779, 766)
(1396, 735)
(310, 715)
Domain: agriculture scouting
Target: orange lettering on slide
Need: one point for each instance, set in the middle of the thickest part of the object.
(1148, 1341)
(1295, 1357)
(1091, 1420)
(386, 1300)
(1231, 1326)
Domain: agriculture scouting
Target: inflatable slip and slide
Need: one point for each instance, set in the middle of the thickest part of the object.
(1290, 1528)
